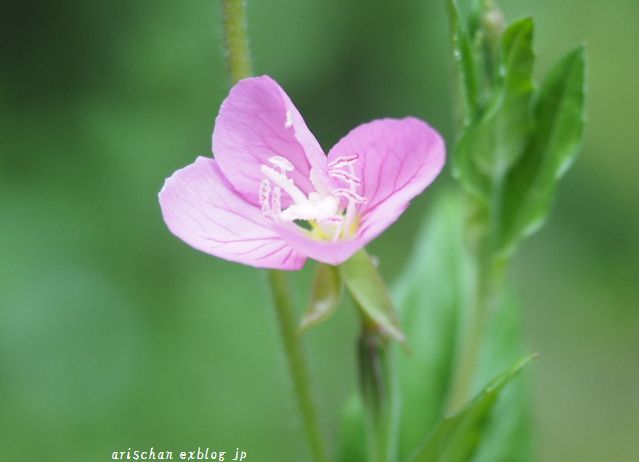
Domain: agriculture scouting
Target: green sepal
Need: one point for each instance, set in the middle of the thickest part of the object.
(366, 285)
(326, 293)
(456, 438)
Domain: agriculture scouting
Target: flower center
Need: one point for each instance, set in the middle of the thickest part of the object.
(330, 218)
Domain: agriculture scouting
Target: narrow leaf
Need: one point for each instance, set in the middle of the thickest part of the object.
(325, 296)
(430, 294)
(367, 287)
(508, 434)
(456, 438)
(559, 118)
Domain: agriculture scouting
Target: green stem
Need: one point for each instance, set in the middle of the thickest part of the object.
(238, 57)
(488, 276)
(468, 359)
(239, 67)
(487, 24)
(297, 362)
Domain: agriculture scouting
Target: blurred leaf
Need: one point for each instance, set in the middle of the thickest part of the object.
(456, 438)
(488, 148)
(559, 118)
(325, 296)
(352, 436)
(508, 434)
(430, 296)
(513, 122)
(371, 294)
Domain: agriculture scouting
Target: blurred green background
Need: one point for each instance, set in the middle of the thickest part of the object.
(114, 334)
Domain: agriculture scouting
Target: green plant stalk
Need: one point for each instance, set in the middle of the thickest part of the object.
(481, 233)
(236, 47)
(488, 273)
(297, 362)
(239, 66)
(378, 391)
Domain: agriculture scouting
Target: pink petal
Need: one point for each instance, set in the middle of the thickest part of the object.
(258, 121)
(332, 253)
(200, 207)
(398, 159)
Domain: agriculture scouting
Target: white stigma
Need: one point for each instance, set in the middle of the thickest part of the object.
(265, 193)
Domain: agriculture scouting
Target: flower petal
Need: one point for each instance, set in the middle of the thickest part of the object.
(398, 159)
(258, 121)
(200, 207)
(332, 253)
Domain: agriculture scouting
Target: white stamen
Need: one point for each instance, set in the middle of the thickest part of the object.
(289, 120)
(345, 176)
(334, 220)
(276, 201)
(264, 194)
(322, 207)
(338, 222)
(350, 208)
(343, 161)
(317, 183)
(285, 183)
(350, 195)
(282, 163)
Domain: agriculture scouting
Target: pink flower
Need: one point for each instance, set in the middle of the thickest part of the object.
(271, 198)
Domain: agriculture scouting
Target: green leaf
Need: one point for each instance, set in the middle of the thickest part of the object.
(508, 434)
(325, 296)
(559, 125)
(456, 438)
(369, 290)
(430, 295)
(488, 148)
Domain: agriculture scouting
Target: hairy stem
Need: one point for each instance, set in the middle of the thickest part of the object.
(238, 57)
(239, 66)
(297, 362)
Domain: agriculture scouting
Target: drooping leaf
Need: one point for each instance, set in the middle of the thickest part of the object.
(366, 285)
(456, 438)
(559, 117)
(325, 296)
